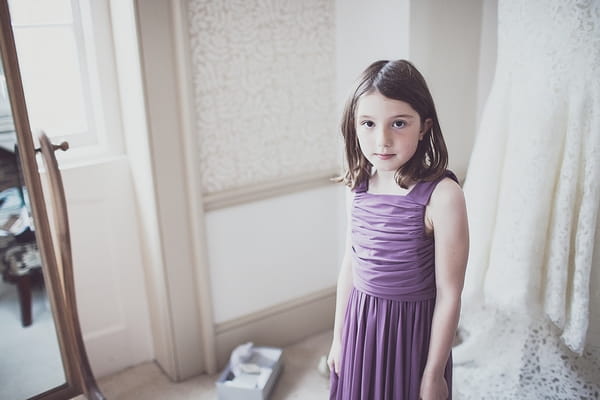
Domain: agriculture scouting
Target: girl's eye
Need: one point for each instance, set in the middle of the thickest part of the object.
(368, 124)
(399, 124)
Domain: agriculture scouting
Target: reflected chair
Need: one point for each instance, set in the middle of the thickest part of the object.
(21, 265)
(20, 261)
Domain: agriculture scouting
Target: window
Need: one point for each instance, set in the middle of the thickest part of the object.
(67, 66)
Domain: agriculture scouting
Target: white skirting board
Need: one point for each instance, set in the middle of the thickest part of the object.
(278, 326)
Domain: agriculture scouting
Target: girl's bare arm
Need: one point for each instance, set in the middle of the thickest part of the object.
(344, 285)
(448, 217)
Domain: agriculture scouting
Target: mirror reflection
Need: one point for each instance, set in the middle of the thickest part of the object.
(31, 360)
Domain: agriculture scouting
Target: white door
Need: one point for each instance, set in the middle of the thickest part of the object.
(109, 278)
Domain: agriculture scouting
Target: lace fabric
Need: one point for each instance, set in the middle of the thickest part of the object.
(525, 359)
(533, 194)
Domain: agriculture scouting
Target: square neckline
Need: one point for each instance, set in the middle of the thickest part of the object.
(390, 194)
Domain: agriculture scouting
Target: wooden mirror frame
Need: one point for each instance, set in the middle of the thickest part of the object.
(57, 266)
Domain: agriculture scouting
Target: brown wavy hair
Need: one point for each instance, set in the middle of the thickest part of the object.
(398, 80)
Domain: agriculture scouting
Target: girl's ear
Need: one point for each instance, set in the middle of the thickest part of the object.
(427, 124)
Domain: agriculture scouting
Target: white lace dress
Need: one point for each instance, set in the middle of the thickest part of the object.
(533, 195)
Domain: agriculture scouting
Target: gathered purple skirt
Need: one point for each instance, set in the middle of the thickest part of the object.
(385, 345)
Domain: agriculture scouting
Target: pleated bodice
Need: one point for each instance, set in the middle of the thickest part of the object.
(393, 256)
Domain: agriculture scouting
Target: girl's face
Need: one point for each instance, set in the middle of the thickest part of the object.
(388, 130)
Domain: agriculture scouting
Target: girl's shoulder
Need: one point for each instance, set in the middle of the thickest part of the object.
(447, 208)
(424, 190)
(447, 192)
(448, 176)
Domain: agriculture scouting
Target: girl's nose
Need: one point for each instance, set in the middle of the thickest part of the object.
(383, 138)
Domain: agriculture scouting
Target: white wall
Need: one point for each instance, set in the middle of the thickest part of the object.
(270, 251)
(444, 45)
(367, 32)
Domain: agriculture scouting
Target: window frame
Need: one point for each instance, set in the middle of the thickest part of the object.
(92, 30)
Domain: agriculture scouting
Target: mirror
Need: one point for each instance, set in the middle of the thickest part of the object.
(29, 341)
(43, 355)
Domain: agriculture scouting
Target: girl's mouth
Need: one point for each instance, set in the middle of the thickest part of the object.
(384, 156)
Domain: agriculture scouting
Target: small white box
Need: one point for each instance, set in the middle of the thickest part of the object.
(252, 386)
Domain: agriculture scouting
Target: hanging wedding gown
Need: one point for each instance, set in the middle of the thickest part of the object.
(533, 195)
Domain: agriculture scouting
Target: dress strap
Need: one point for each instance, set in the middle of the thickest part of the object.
(362, 187)
(421, 193)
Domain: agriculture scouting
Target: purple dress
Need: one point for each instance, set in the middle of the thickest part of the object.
(387, 325)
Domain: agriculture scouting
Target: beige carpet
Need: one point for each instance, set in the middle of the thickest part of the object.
(300, 378)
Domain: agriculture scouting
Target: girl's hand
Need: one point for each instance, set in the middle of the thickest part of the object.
(333, 360)
(434, 387)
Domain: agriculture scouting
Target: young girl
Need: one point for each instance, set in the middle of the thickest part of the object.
(399, 287)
